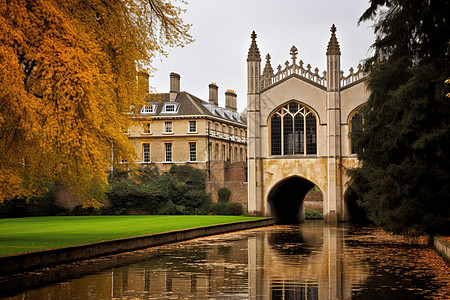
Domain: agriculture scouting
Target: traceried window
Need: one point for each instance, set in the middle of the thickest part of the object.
(356, 127)
(293, 130)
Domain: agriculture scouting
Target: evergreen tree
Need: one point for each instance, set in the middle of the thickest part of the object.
(404, 178)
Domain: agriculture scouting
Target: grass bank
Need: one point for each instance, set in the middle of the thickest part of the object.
(31, 234)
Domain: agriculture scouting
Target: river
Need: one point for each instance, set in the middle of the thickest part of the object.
(308, 261)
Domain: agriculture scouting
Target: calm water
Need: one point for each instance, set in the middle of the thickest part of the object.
(309, 261)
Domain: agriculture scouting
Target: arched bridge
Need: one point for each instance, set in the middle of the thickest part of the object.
(299, 122)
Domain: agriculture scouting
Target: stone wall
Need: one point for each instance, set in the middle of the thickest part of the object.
(442, 246)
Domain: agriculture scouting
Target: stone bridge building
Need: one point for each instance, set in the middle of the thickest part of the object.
(298, 129)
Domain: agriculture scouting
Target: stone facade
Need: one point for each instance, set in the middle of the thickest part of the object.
(198, 132)
(329, 100)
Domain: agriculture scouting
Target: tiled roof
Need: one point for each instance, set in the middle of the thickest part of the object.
(190, 105)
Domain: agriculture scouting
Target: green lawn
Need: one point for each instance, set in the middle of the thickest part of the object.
(31, 234)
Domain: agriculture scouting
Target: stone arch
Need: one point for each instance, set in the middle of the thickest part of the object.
(352, 211)
(353, 112)
(293, 129)
(316, 113)
(286, 198)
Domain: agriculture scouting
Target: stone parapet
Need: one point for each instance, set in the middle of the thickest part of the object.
(442, 246)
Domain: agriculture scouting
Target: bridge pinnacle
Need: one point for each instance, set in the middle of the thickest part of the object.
(333, 45)
(253, 52)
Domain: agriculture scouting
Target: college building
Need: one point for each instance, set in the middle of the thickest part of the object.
(178, 128)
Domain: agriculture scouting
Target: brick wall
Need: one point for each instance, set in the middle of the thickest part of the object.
(230, 175)
(314, 200)
(64, 198)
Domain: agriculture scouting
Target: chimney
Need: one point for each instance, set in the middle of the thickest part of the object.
(213, 94)
(174, 85)
(231, 100)
(143, 79)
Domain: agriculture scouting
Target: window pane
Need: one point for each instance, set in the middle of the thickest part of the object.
(288, 138)
(192, 126)
(192, 152)
(168, 127)
(311, 140)
(170, 107)
(168, 148)
(146, 152)
(293, 107)
(299, 132)
(276, 135)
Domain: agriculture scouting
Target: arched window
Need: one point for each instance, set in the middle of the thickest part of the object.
(293, 130)
(355, 128)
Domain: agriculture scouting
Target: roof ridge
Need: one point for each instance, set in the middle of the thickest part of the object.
(189, 96)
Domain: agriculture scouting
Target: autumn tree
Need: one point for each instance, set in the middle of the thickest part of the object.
(68, 86)
(404, 147)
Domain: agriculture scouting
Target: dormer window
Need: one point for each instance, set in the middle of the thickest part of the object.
(170, 108)
(148, 109)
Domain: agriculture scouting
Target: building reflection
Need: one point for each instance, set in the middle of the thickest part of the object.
(306, 263)
(298, 262)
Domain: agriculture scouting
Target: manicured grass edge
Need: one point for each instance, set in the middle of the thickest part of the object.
(16, 263)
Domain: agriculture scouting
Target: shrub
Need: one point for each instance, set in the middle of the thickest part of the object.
(85, 211)
(181, 191)
(171, 209)
(14, 208)
(234, 209)
(190, 176)
(195, 203)
(43, 205)
(219, 208)
(128, 194)
(224, 195)
(313, 214)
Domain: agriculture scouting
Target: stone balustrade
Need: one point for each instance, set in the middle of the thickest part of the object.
(268, 80)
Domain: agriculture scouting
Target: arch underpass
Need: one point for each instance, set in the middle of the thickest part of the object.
(286, 200)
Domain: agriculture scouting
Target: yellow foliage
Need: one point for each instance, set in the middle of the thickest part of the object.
(68, 87)
(447, 81)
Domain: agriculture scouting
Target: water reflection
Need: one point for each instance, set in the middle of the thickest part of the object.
(310, 261)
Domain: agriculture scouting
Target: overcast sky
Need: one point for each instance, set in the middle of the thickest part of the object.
(222, 38)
